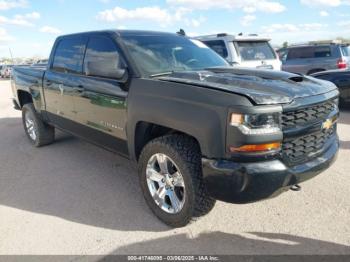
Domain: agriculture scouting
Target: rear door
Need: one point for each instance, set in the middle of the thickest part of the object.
(323, 59)
(101, 104)
(61, 80)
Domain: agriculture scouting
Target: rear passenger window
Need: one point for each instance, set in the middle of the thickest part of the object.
(69, 56)
(322, 51)
(218, 46)
(300, 53)
(102, 51)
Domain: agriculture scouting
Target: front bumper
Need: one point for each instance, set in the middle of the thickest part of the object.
(249, 182)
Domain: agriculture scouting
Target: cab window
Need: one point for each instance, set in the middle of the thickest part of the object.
(69, 55)
(102, 51)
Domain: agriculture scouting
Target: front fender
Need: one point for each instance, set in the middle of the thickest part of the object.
(196, 111)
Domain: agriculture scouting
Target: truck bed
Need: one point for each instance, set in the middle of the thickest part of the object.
(36, 72)
(29, 79)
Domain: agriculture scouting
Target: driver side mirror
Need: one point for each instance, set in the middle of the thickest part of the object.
(105, 68)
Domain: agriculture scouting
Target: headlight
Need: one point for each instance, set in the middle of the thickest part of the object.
(256, 124)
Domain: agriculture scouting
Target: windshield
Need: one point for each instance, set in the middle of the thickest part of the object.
(251, 51)
(160, 54)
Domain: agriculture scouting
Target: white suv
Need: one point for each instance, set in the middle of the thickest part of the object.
(244, 50)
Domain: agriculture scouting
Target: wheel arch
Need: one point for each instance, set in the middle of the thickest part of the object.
(146, 131)
(24, 97)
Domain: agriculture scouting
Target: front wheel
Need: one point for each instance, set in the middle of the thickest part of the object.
(170, 173)
(38, 132)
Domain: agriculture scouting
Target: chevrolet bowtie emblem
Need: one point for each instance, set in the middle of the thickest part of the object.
(327, 124)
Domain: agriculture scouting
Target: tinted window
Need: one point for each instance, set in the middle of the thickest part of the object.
(102, 51)
(322, 51)
(159, 54)
(69, 56)
(218, 46)
(301, 52)
(250, 51)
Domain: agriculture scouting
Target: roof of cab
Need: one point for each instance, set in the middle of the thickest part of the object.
(121, 33)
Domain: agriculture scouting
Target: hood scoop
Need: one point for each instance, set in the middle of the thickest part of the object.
(265, 74)
(297, 79)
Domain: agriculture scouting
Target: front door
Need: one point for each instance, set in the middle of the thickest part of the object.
(101, 103)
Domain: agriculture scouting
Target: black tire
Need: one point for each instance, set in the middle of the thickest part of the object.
(45, 134)
(185, 152)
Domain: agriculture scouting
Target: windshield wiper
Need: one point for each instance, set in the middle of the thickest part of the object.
(162, 74)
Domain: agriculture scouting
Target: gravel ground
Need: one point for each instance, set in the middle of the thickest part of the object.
(74, 198)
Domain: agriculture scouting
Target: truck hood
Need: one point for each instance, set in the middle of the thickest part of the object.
(263, 87)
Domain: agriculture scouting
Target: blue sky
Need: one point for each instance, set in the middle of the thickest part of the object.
(30, 27)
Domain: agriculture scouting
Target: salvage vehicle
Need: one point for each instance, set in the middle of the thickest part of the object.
(199, 129)
(341, 78)
(251, 50)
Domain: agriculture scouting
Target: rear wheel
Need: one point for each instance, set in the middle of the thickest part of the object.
(38, 132)
(170, 174)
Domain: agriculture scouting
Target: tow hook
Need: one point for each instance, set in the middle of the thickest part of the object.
(296, 188)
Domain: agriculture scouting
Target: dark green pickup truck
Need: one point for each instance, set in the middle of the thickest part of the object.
(199, 129)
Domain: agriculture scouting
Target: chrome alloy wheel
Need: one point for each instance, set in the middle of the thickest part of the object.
(29, 122)
(165, 183)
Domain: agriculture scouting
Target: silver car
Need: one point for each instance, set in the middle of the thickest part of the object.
(313, 58)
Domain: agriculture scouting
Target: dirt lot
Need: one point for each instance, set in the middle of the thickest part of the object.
(74, 198)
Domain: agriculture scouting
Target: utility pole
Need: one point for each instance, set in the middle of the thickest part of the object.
(11, 55)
